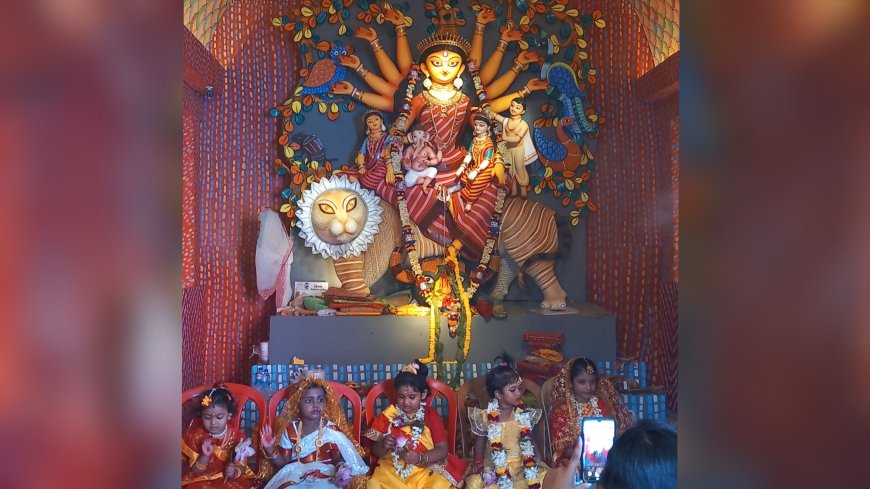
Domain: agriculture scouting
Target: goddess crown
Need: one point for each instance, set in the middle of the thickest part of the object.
(447, 33)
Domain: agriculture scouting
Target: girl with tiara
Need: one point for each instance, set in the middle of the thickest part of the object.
(410, 439)
(579, 393)
(216, 454)
(504, 454)
(316, 448)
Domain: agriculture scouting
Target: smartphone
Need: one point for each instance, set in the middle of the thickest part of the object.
(596, 441)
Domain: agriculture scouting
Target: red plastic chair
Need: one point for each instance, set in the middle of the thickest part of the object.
(340, 389)
(242, 394)
(435, 387)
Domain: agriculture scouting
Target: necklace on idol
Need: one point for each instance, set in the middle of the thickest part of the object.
(516, 126)
(438, 140)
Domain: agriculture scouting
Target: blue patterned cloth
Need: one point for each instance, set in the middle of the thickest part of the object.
(268, 379)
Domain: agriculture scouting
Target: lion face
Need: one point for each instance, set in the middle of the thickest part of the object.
(338, 215)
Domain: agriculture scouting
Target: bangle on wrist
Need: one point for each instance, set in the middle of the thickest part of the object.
(525, 91)
(502, 44)
(478, 27)
(376, 45)
(400, 30)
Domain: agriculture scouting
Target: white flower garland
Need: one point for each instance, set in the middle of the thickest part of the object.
(528, 448)
(403, 470)
(497, 452)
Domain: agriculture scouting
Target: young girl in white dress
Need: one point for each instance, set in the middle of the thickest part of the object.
(316, 449)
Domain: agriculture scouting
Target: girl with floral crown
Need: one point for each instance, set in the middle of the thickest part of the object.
(505, 457)
(579, 393)
(316, 448)
(410, 440)
(216, 454)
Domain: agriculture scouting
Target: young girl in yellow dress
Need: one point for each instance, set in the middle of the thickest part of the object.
(316, 448)
(505, 457)
(410, 440)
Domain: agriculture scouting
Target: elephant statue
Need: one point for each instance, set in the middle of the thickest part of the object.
(529, 241)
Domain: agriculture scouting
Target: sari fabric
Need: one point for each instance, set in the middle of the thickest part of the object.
(213, 475)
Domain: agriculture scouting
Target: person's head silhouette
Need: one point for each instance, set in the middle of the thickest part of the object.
(644, 457)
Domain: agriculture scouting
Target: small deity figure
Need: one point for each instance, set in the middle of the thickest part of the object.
(371, 164)
(476, 171)
(420, 160)
(520, 149)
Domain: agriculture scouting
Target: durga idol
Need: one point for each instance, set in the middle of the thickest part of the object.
(443, 111)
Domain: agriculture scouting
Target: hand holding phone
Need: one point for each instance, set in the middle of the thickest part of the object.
(595, 441)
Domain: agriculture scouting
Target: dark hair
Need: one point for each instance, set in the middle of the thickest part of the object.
(219, 395)
(521, 101)
(581, 365)
(644, 457)
(501, 375)
(415, 381)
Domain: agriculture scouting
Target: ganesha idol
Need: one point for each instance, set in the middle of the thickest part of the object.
(442, 218)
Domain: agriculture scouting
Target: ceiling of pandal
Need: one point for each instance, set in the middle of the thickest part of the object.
(660, 20)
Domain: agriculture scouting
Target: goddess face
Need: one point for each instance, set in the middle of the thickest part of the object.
(443, 66)
(480, 127)
(374, 123)
(338, 216)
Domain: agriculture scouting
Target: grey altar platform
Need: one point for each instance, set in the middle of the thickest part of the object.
(589, 330)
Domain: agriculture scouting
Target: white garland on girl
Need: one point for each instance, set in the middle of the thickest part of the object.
(497, 452)
(527, 448)
(403, 470)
